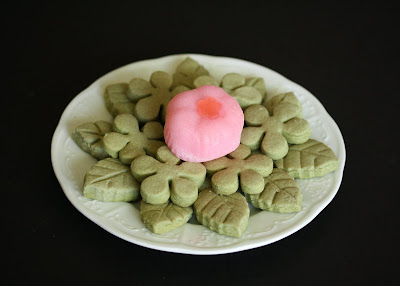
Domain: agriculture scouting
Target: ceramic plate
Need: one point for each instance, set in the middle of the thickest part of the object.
(70, 164)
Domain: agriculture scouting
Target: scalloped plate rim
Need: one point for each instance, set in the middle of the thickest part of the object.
(179, 247)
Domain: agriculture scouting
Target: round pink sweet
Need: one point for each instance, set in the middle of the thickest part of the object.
(203, 124)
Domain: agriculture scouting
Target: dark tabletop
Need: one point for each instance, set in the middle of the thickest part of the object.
(344, 55)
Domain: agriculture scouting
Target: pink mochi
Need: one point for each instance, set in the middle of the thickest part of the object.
(203, 124)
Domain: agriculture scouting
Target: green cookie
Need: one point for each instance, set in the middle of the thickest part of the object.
(163, 218)
(164, 179)
(186, 72)
(245, 95)
(205, 80)
(89, 137)
(251, 169)
(228, 215)
(281, 194)
(128, 142)
(117, 101)
(284, 106)
(272, 133)
(151, 97)
(110, 181)
(259, 84)
(309, 160)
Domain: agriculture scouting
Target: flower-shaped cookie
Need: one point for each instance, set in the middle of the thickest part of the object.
(186, 72)
(251, 169)
(273, 133)
(246, 95)
(152, 97)
(128, 142)
(165, 178)
(284, 106)
(259, 84)
(204, 80)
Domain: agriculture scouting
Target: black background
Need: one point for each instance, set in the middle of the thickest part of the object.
(346, 55)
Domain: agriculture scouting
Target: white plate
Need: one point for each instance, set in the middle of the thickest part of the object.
(70, 164)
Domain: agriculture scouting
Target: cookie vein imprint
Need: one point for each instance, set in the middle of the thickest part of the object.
(203, 124)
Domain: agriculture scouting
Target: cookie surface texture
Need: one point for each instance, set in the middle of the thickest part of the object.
(273, 133)
(259, 84)
(309, 160)
(117, 101)
(281, 194)
(203, 124)
(163, 218)
(186, 72)
(284, 106)
(164, 179)
(88, 137)
(128, 142)
(204, 80)
(151, 97)
(110, 181)
(227, 215)
(239, 164)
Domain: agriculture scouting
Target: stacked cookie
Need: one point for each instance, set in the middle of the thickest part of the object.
(136, 163)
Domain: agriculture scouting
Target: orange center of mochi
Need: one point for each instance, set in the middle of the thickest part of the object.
(208, 107)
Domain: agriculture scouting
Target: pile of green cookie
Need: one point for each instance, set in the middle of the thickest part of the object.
(134, 162)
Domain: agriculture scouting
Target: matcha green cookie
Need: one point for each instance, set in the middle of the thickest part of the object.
(273, 133)
(151, 97)
(164, 179)
(251, 169)
(227, 215)
(163, 218)
(284, 106)
(89, 137)
(117, 101)
(281, 194)
(205, 80)
(128, 142)
(165, 155)
(110, 181)
(259, 84)
(235, 85)
(308, 160)
(186, 72)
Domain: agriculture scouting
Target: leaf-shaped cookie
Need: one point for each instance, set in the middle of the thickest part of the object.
(281, 194)
(116, 99)
(110, 181)
(228, 215)
(164, 217)
(308, 160)
(89, 135)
